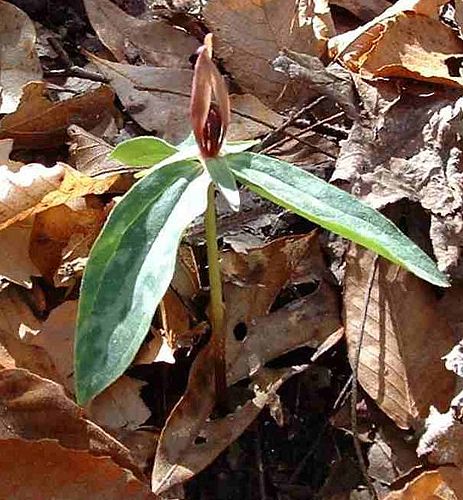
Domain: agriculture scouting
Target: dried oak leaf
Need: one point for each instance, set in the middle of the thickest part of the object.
(16, 265)
(19, 63)
(44, 469)
(34, 408)
(405, 337)
(156, 42)
(39, 123)
(445, 483)
(408, 146)
(408, 40)
(190, 440)
(249, 35)
(35, 188)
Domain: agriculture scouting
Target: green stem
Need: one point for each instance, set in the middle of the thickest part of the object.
(216, 301)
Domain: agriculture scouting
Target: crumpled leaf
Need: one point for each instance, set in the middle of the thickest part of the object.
(408, 40)
(19, 63)
(35, 188)
(16, 265)
(445, 483)
(267, 27)
(120, 406)
(405, 337)
(65, 473)
(39, 123)
(156, 42)
(190, 440)
(38, 409)
(409, 147)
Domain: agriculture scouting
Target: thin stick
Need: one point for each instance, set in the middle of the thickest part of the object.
(355, 369)
(216, 303)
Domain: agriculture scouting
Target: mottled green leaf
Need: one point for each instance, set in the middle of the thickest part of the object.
(142, 151)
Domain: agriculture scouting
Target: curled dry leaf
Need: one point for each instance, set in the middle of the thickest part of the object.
(423, 166)
(16, 265)
(445, 483)
(120, 407)
(248, 37)
(35, 188)
(405, 337)
(407, 41)
(65, 473)
(37, 409)
(19, 63)
(190, 440)
(39, 123)
(127, 37)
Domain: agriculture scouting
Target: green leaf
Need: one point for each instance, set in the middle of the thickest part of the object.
(142, 151)
(333, 209)
(224, 180)
(129, 270)
(238, 146)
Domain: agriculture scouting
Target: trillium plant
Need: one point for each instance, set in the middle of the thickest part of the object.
(133, 260)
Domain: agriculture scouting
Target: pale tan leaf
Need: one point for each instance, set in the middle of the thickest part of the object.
(248, 37)
(35, 188)
(19, 63)
(120, 405)
(156, 42)
(408, 40)
(16, 265)
(38, 409)
(39, 123)
(445, 483)
(6, 360)
(253, 280)
(405, 337)
(63, 474)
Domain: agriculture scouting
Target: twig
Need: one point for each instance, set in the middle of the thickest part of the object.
(71, 69)
(355, 368)
(260, 463)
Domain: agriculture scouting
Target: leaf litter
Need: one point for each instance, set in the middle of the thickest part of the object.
(393, 88)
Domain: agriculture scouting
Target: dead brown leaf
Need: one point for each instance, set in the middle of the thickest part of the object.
(407, 41)
(156, 42)
(409, 147)
(363, 9)
(35, 188)
(64, 474)
(248, 37)
(445, 483)
(35, 409)
(400, 364)
(190, 440)
(62, 234)
(39, 123)
(120, 407)
(19, 63)
(16, 265)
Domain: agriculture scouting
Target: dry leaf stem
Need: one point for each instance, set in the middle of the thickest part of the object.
(216, 303)
(355, 369)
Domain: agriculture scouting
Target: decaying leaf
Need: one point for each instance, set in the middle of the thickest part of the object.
(19, 63)
(409, 147)
(65, 473)
(156, 42)
(445, 483)
(405, 337)
(408, 40)
(16, 265)
(248, 37)
(190, 440)
(120, 406)
(37, 409)
(35, 188)
(39, 123)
